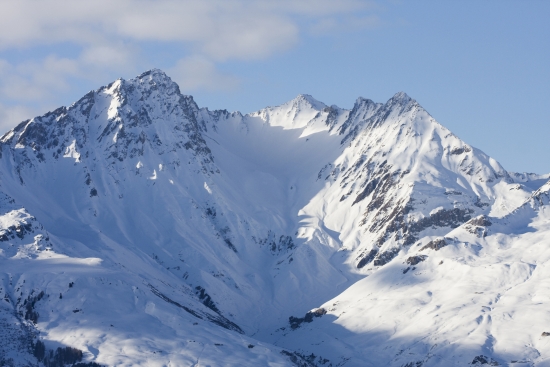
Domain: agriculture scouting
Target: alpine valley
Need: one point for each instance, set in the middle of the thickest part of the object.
(137, 229)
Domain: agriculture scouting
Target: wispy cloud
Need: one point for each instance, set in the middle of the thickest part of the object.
(11, 115)
(196, 72)
(351, 23)
(27, 22)
(112, 36)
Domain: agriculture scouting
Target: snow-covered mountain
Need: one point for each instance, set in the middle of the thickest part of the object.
(139, 229)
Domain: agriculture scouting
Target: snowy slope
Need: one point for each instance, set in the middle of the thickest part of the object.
(481, 295)
(196, 234)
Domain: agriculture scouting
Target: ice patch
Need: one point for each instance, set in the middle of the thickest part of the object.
(207, 188)
(70, 152)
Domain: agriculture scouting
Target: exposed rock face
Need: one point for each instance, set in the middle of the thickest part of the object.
(415, 260)
(481, 221)
(385, 257)
(366, 258)
(295, 322)
(484, 360)
(277, 244)
(436, 244)
(390, 150)
(125, 119)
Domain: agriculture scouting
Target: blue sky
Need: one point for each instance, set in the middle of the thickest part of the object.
(481, 68)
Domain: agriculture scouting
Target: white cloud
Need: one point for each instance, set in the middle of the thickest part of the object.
(321, 8)
(347, 23)
(10, 116)
(108, 55)
(221, 29)
(42, 79)
(194, 73)
(245, 28)
(111, 36)
(34, 80)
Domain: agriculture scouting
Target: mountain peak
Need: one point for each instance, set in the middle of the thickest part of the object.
(309, 101)
(154, 80)
(151, 80)
(154, 73)
(401, 98)
(363, 101)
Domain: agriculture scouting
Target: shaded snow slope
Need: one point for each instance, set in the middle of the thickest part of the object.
(209, 229)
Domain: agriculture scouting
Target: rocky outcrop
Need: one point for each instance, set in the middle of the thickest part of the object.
(484, 360)
(295, 322)
(481, 221)
(415, 260)
(366, 257)
(436, 244)
(276, 244)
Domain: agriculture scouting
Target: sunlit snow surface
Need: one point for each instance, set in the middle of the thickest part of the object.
(164, 234)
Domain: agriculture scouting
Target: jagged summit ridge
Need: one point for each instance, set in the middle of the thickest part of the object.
(294, 114)
(124, 119)
(309, 100)
(401, 98)
(166, 219)
(383, 147)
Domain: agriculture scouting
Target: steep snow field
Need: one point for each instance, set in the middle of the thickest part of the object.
(141, 229)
